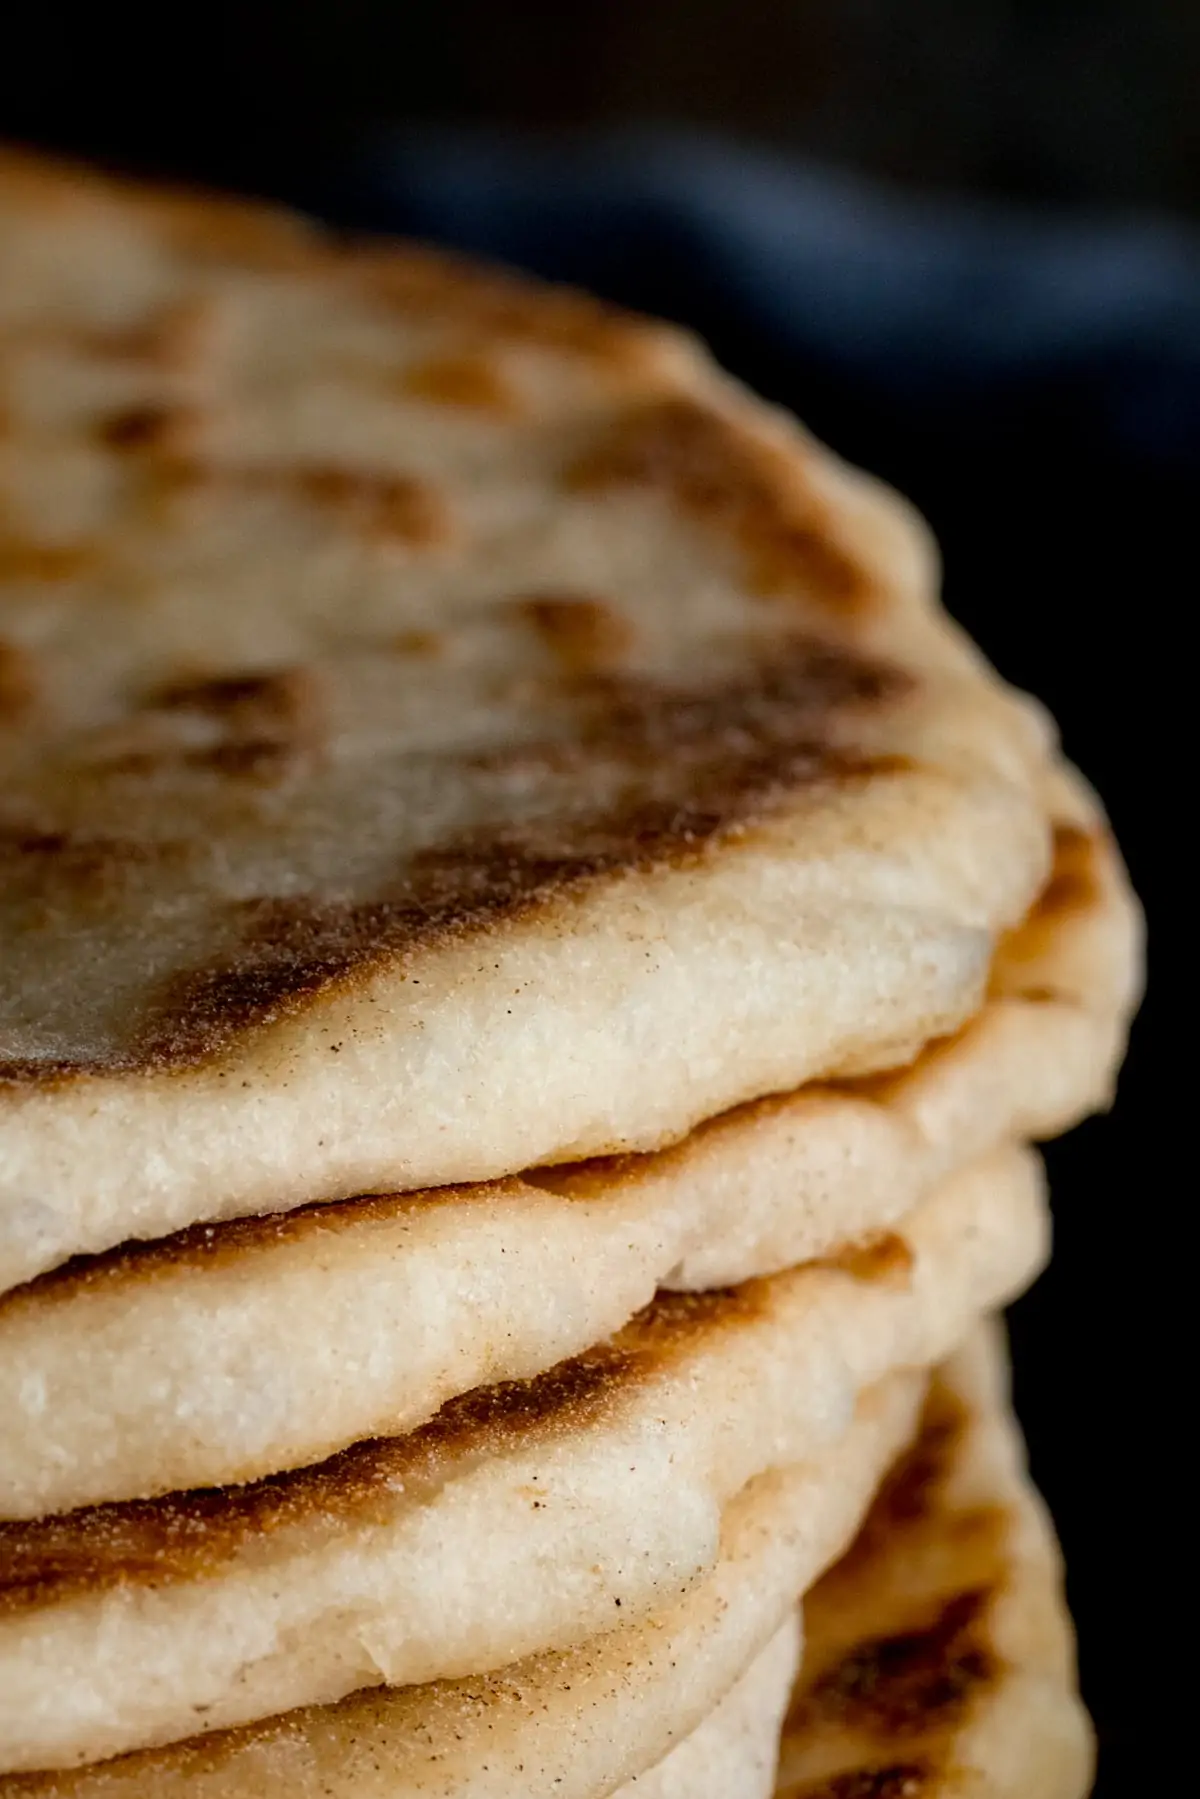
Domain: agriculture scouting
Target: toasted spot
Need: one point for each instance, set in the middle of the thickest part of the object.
(419, 643)
(264, 725)
(913, 1488)
(1039, 996)
(1075, 885)
(381, 507)
(912, 1503)
(884, 1257)
(186, 1536)
(260, 759)
(396, 507)
(916, 1682)
(149, 429)
(18, 682)
(48, 1071)
(584, 636)
(189, 1535)
(467, 378)
(699, 764)
(173, 339)
(899, 1780)
(689, 767)
(730, 482)
(24, 560)
(292, 949)
(674, 1320)
(900, 1639)
(278, 703)
(54, 866)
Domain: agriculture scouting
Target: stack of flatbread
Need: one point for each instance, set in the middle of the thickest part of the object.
(532, 956)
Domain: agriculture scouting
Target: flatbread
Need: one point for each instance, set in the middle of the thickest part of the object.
(238, 1350)
(733, 1754)
(939, 1659)
(522, 1518)
(572, 1725)
(450, 729)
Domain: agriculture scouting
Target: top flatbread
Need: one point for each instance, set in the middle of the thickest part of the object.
(447, 728)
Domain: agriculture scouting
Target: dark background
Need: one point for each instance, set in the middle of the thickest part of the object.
(1062, 485)
(1037, 98)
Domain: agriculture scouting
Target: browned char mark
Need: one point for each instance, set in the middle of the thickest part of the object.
(380, 507)
(585, 636)
(47, 868)
(265, 719)
(694, 766)
(730, 482)
(18, 683)
(233, 1242)
(185, 1536)
(24, 559)
(1077, 886)
(896, 1780)
(912, 1683)
(698, 765)
(919, 1584)
(1075, 883)
(471, 380)
(885, 1257)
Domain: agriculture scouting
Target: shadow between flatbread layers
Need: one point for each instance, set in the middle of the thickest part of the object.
(939, 1658)
(570, 1725)
(233, 1351)
(523, 1517)
(448, 728)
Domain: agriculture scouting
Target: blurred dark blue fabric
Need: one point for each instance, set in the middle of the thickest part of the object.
(954, 309)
